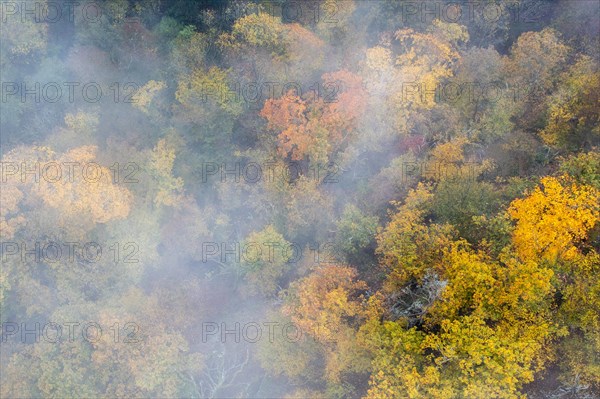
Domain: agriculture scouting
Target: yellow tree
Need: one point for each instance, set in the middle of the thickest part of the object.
(556, 224)
(168, 189)
(208, 103)
(535, 59)
(574, 119)
(579, 353)
(76, 191)
(203, 92)
(404, 77)
(409, 248)
(532, 70)
(145, 97)
(483, 334)
(554, 219)
(426, 60)
(329, 305)
(146, 351)
(262, 48)
(459, 322)
(257, 30)
(90, 195)
(23, 38)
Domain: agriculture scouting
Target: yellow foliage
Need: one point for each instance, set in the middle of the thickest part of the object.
(148, 352)
(90, 193)
(170, 188)
(319, 303)
(421, 64)
(409, 248)
(144, 96)
(553, 219)
(81, 122)
(574, 117)
(256, 30)
(378, 58)
(535, 58)
(321, 306)
(200, 90)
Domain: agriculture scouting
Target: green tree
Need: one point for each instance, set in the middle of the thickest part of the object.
(264, 262)
(356, 234)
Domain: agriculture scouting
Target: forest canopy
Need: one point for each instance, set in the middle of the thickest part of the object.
(300, 199)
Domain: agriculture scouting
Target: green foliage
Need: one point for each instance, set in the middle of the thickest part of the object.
(265, 259)
(583, 167)
(298, 359)
(443, 247)
(205, 101)
(573, 116)
(355, 233)
(258, 31)
(458, 202)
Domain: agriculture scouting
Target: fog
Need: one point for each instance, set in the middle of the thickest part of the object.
(285, 199)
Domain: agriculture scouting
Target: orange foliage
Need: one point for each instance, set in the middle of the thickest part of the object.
(320, 302)
(316, 128)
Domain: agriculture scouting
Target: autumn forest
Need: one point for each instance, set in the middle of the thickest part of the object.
(381, 199)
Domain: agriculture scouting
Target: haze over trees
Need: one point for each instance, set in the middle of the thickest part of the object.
(320, 199)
